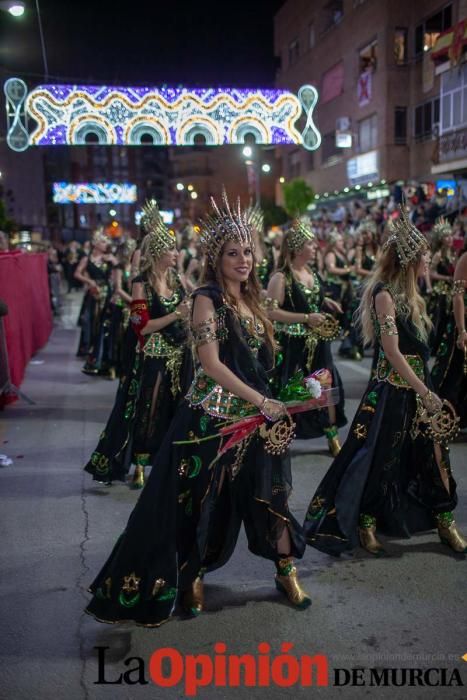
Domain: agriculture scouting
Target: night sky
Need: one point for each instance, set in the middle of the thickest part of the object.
(144, 43)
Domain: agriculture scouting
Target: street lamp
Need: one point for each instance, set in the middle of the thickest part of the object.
(266, 168)
(14, 8)
(247, 151)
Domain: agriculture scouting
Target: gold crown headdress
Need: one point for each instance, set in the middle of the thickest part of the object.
(161, 239)
(226, 223)
(441, 229)
(99, 236)
(255, 217)
(367, 225)
(407, 239)
(298, 234)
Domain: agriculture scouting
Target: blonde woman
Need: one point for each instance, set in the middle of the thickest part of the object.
(390, 474)
(146, 401)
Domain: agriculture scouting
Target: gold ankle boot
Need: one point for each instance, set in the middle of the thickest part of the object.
(367, 534)
(449, 534)
(333, 440)
(138, 477)
(193, 598)
(288, 584)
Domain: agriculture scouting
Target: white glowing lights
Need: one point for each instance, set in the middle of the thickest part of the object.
(247, 151)
(94, 193)
(180, 186)
(266, 168)
(107, 115)
(16, 9)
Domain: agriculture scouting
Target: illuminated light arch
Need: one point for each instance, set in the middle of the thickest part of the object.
(241, 126)
(200, 126)
(139, 126)
(97, 125)
(64, 114)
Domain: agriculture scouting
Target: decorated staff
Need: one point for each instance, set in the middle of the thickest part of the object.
(296, 304)
(393, 472)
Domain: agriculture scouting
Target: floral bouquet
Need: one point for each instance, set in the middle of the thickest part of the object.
(300, 394)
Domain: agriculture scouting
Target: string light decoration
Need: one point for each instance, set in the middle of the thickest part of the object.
(85, 114)
(94, 193)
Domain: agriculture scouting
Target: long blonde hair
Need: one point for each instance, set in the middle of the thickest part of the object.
(404, 283)
(149, 269)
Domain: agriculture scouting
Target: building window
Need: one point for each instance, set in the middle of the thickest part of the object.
(329, 150)
(400, 125)
(426, 121)
(368, 133)
(454, 99)
(311, 35)
(400, 46)
(294, 52)
(428, 31)
(368, 57)
(332, 84)
(333, 12)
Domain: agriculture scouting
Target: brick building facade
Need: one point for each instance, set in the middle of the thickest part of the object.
(379, 87)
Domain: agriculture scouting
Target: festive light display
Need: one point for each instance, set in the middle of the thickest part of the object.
(78, 115)
(94, 193)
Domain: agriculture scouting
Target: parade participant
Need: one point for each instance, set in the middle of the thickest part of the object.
(339, 287)
(449, 373)
(188, 517)
(94, 270)
(264, 258)
(366, 252)
(188, 259)
(393, 472)
(296, 303)
(441, 273)
(120, 305)
(147, 399)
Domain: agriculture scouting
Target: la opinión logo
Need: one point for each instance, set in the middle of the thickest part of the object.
(168, 667)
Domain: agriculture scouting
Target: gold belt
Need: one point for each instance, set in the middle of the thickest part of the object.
(386, 373)
(157, 346)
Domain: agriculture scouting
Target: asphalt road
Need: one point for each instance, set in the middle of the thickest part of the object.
(407, 610)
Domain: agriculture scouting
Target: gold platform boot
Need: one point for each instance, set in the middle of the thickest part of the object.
(449, 534)
(288, 584)
(138, 477)
(333, 440)
(367, 534)
(193, 598)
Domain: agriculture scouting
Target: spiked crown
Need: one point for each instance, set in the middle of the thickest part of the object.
(161, 240)
(298, 234)
(441, 229)
(406, 238)
(255, 217)
(226, 223)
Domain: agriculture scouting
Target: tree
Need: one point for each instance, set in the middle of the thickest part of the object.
(273, 215)
(297, 196)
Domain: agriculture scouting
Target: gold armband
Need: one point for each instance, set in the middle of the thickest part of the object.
(458, 287)
(387, 325)
(271, 304)
(204, 333)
